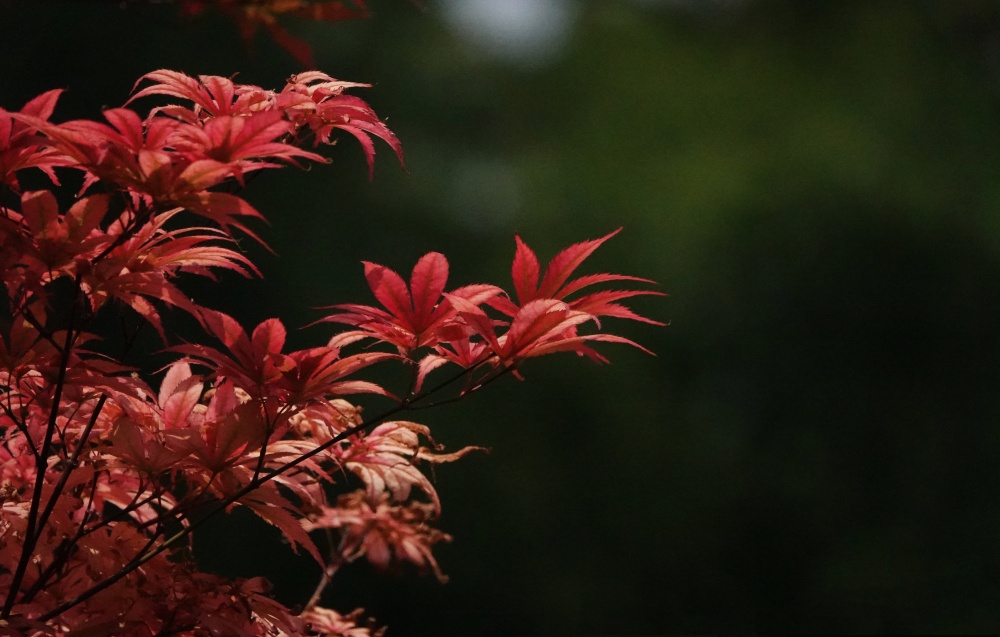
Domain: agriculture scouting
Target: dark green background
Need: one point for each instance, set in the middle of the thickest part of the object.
(815, 184)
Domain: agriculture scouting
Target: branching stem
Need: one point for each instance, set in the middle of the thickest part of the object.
(33, 530)
(151, 552)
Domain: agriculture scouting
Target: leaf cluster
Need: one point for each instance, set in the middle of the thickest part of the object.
(105, 477)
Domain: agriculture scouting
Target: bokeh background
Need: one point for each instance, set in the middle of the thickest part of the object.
(814, 449)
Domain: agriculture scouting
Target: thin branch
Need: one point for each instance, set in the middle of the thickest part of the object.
(136, 503)
(20, 427)
(144, 557)
(268, 430)
(336, 561)
(64, 550)
(71, 464)
(43, 332)
(31, 533)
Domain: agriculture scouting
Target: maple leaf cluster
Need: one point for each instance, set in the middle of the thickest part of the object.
(105, 477)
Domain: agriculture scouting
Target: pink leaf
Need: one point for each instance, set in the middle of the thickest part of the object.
(427, 282)
(390, 290)
(564, 263)
(524, 272)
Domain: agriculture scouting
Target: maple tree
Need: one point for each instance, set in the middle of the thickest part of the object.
(105, 475)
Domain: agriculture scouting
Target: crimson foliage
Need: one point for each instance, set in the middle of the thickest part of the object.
(105, 478)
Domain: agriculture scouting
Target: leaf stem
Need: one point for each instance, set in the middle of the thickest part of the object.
(33, 531)
(150, 552)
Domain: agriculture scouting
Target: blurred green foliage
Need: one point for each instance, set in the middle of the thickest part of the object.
(816, 446)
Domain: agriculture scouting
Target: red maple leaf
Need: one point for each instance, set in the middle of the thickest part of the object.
(555, 283)
(20, 145)
(141, 267)
(414, 316)
(256, 363)
(545, 321)
(311, 100)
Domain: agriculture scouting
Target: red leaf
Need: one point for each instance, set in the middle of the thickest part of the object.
(390, 290)
(427, 282)
(477, 319)
(210, 93)
(564, 263)
(427, 364)
(289, 525)
(524, 272)
(43, 105)
(538, 321)
(556, 284)
(180, 392)
(268, 339)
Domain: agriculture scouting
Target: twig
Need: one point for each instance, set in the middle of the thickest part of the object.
(143, 557)
(31, 534)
